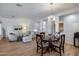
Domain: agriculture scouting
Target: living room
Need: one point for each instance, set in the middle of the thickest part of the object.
(20, 22)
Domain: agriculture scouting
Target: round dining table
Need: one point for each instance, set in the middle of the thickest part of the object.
(50, 40)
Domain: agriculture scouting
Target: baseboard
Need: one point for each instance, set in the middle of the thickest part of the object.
(1, 37)
(71, 43)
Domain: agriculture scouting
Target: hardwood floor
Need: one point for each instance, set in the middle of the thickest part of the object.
(29, 49)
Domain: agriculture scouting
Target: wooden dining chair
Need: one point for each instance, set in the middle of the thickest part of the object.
(40, 43)
(43, 33)
(60, 44)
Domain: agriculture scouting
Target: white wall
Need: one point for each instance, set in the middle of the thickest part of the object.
(69, 20)
(57, 24)
(6, 22)
(76, 27)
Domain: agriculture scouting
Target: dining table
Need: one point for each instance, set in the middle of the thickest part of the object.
(50, 39)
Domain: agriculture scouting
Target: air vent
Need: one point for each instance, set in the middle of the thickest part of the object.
(19, 5)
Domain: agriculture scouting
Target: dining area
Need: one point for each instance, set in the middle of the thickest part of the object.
(46, 43)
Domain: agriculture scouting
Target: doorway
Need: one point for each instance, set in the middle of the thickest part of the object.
(61, 27)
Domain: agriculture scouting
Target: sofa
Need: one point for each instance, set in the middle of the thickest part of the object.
(28, 37)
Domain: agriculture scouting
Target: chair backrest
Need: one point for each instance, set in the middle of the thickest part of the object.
(43, 33)
(38, 38)
(62, 39)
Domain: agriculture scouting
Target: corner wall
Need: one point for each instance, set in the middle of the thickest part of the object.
(69, 20)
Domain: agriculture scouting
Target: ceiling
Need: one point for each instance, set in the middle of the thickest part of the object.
(36, 10)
